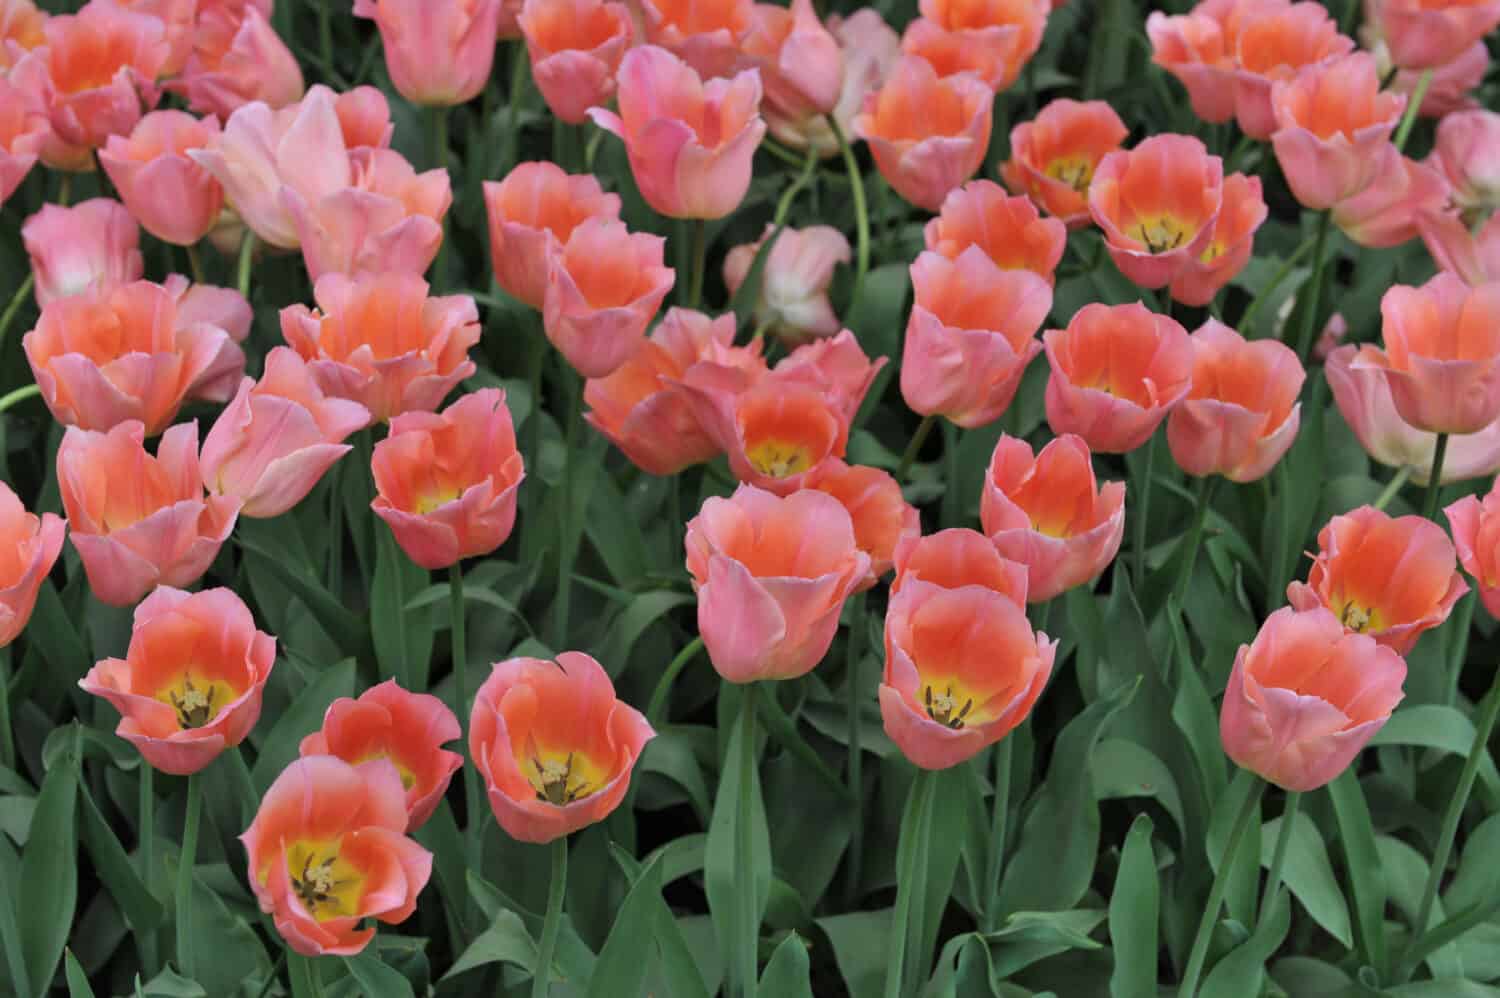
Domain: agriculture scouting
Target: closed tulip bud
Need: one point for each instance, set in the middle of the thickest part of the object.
(575, 48)
(1467, 151)
(1389, 577)
(1386, 213)
(555, 746)
(1229, 247)
(190, 685)
(1273, 43)
(29, 546)
(327, 851)
(882, 517)
(1423, 34)
(531, 213)
(438, 53)
(1053, 157)
(173, 198)
(1008, 229)
(1305, 696)
(238, 58)
(771, 575)
(959, 558)
(95, 244)
(793, 302)
(1473, 256)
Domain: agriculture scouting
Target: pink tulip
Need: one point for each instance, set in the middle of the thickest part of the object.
(1054, 156)
(1008, 229)
(23, 130)
(1452, 83)
(178, 18)
(1274, 42)
(1386, 213)
(1475, 524)
(238, 58)
(22, 28)
(140, 521)
(837, 366)
(532, 212)
(958, 558)
(364, 118)
(1199, 51)
(173, 198)
(800, 63)
(575, 48)
(992, 39)
(1229, 248)
(1423, 34)
(690, 142)
(29, 546)
(1468, 154)
(775, 432)
(1304, 697)
(94, 245)
(771, 576)
(277, 438)
(882, 517)
(869, 51)
(708, 35)
(222, 308)
(793, 302)
(1473, 256)
(438, 53)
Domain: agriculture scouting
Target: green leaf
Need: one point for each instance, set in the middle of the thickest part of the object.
(1030, 936)
(1309, 875)
(238, 953)
(440, 593)
(879, 315)
(723, 859)
(860, 943)
(505, 941)
(170, 984)
(1133, 910)
(375, 978)
(1441, 727)
(1124, 769)
(403, 640)
(1241, 973)
(624, 960)
(787, 975)
(1361, 864)
(302, 717)
(49, 873)
(116, 871)
(1305, 977)
(644, 610)
(343, 626)
(78, 981)
(1244, 872)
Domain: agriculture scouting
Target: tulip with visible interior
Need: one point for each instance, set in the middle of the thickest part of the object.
(774, 432)
(836, 365)
(575, 48)
(29, 546)
(1229, 247)
(1007, 228)
(1053, 156)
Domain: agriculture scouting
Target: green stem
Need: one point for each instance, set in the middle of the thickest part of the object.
(1485, 726)
(1315, 286)
(14, 306)
(306, 980)
(242, 272)
(1248, 810)
(1247, 321)
(1143, 517)
(567, 549)
(809, 166)
(187, 962)
(1413, 105)
(1195, 536)
(325, 33)
(699, 262)
(861, 212)
(1278, 856)
(146, 844)
(552, 921)
(1434, 480)
(913, 446)
(658, 702)
(856, 697)
(916, 831)
(335, 534)
(265, 989)
(64, 189)
(747, 965)
(18, 396)
(999, 818)
(195, 264)
(1394, 486)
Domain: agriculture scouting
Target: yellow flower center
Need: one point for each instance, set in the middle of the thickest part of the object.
(562, 777)
(948, 702)
(432, 500)
(1161, 233)
(1075, 171)
(408, 778)
(1214, 251)
(326, 884)
(778, 458)
(1359, 619)
(196, 699)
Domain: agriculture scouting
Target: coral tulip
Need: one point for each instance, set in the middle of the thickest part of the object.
(531, 213)
(1008, 229)
(836, 365)
(1467, 151)
(438, 53)
(238, 58)
(95, 244)
(575, 48)
(1450, 87)
(22, 28)
(1271, 47)
(882, 518)
(173, 198)
(1241, 214)
(23, 131)
(1423, 34)
(869, 50)
(1387, 212)
(1473, 256)
(1475, 524)
(708, 35)
(1199, 49)
(793, 302)
(364, 118)
(1053, 156)
(801, 65)
(29, 546)
(957, 558)
(993, 39)
(774, 433)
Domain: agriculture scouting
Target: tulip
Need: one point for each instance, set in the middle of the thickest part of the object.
(1389, 577)
(438, 53)
(1305, 696)
(1468, 146)
(223, 308)
(1364, 399)
(554, 745)
(1332, 120)
(970, 337)
(1474, 523)
(793, 302)
(690, 142)
(1199, 49)
(277, 438)
(22, 134)
(1157, 204)
(575, 48)
(179, 22)
(364, 118)
(1442, 353)
(1386, 213)
(1271, 47)
(1475, 257)
(95, 244)
(774, 432)
(649, 417)
(532, 212)
(882, 518)
(447, 481)
(1241, 414)
(1423, 34)
(771, 575)
(1334, 331)
(837, 366)
(1054, 156)
(326, 851)
(238, 58)
(1046, 511)
(707, 35)
(190, 684)
(801, 64)
(382, 342)
(173, 198)
(387, 724)
(388, 220)
(29, 546)
(22, 28)
(104, 357)
(962, 669)
(1116, 373)
(1449, 88)
(993, 39)
(958, 558)
(1007, 229)
(869, 50)
(927, 135)
(604, 287)
(1241, 214)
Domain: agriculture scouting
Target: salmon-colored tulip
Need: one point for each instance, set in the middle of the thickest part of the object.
(364, 118)
(708, 35)
(23, 130)
(1157, 204)
(1046, 511)
(869, 50)
(554, 744)
(1008, 229)
(190, 684)
(1116, 373)
(774, 432)
(959, 558)
(793, 302)
(1054, 155)
(604, 288)
(801, 65)
(1305, 696)
(447, 481)
(173, 198)
(438, 53)
(1273, 44)
(532, 212)
(836, 365)
(575, 48)
(1386, 213)
(387, 724)
(882, 517)
(278, 437)
(94, 245)
(388, 220)
(993, 39)
(383, 342)
(1468, 154)
(1389, 577)
(1242, 413)
(1475, 523)
(29, 546)
(1442, 353)
(238, 58)
(1332, 120)
(970, 337)
(179, 21)
(690, 142)
(1423, 34)
(327, 851)
(1473, 256)
(643, 409)
(1452, 83)
(962, 669)
(21, 30)
(771, 574)
(104, 357)
(140, 521)
(1241, 214)
(1199, 49)
(927, 135)
(1364, 399)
